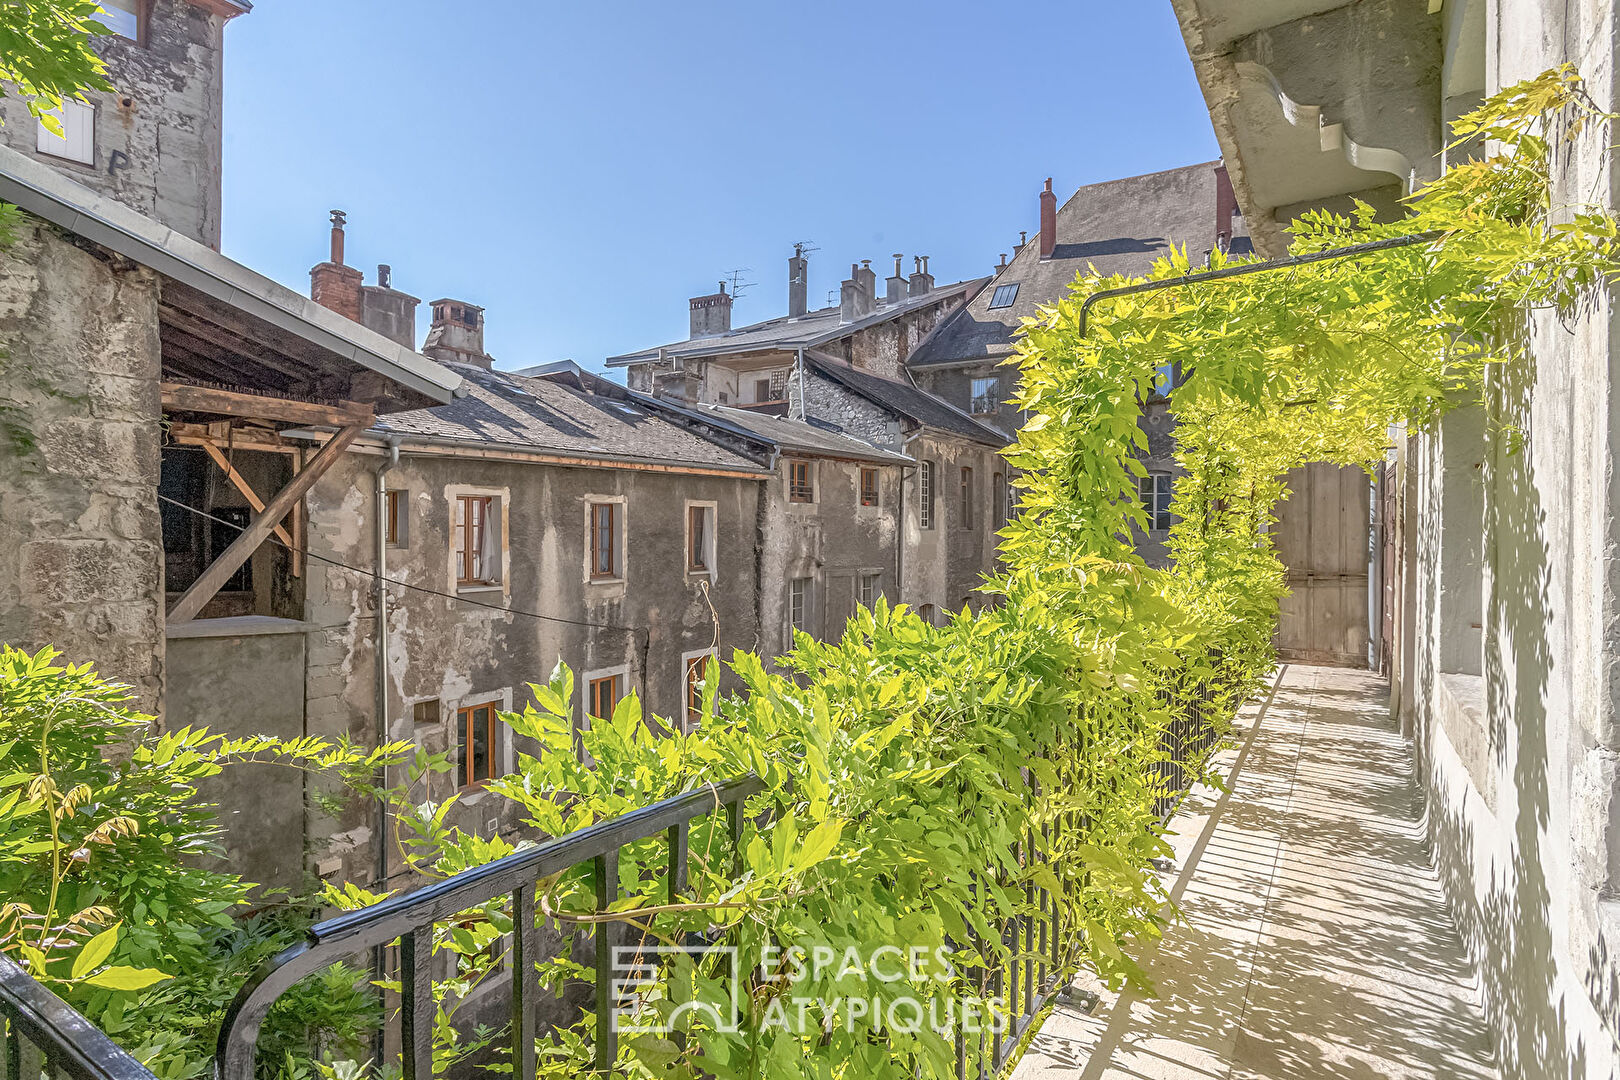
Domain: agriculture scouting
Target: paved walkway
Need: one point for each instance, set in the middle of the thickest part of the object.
(1314, 941)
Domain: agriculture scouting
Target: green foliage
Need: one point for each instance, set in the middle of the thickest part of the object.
(45, 53)
(108, 859)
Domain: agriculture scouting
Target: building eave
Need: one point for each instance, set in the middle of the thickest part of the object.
(53, 197)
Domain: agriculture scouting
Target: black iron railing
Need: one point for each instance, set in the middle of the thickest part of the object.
(410, 918)
(43, 1036)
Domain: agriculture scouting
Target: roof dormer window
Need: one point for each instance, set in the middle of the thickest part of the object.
(1004, 296)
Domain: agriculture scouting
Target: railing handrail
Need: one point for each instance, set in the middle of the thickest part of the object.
(409, 913)
(69, 1042)
(481, 884)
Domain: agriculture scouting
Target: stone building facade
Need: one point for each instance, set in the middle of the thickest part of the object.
(845, 369)
(154, 143)
(1499, 582)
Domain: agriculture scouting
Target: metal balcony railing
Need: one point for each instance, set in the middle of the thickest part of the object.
(41, 1034)
(44, 1037)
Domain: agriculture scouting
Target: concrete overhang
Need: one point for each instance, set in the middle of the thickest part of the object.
(1317, 101)
(245, 309)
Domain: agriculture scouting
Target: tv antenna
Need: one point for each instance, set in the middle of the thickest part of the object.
(738, 285)
(801, 248)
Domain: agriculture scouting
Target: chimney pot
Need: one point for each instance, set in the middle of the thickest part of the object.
(922, 282)
(339, 219)
(1048, 221)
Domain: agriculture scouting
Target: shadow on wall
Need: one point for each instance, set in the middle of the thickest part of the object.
(1508, 930)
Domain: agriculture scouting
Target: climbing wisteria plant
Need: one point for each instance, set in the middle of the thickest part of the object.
(904, 763)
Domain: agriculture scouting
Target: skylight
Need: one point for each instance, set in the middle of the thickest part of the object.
(1004, 296)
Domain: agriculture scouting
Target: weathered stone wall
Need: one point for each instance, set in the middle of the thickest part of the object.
(854, 415)
(245, 676)
(832, 541)
(81, 545)
(1522, 762)
(456, 653)
(882, 349)
(945, 565)
(955, 385)
(158, 134)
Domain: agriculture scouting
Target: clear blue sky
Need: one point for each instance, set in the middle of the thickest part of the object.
(581, 169)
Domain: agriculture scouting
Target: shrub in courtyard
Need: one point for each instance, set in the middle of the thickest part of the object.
(112, 889)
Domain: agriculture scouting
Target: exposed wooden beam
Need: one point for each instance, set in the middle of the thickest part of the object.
(183, 397)
(241, 438)
(242, 548)
(239, 482)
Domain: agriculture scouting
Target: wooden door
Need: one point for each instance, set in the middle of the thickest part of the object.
(1325, 538)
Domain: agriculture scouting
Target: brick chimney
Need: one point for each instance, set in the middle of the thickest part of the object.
(895, 284)
(1048, 221)
(333, 285)
(798, 283)
(457, 335)
(711, 315)
(922, 282)
(1226, 208)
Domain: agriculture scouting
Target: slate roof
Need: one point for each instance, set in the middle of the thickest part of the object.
(799, 436)
(807, 331)
(1119, 227)
(579, 417)
(906, 400)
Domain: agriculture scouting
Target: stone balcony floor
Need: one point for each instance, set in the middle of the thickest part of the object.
(1314, 940)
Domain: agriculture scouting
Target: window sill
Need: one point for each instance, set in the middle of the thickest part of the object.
(604, 581)
(493, 586)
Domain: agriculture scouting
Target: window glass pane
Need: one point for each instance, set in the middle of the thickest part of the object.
(697, 670)
(482, 718)
(925, 513)
(121, 17)
(984, 395)
(1004, 296)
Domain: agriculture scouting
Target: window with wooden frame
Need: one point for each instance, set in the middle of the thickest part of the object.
(967, 497)
(998, 499)
(604, 695)
(801, 489)
(925, 502)
(395, 526)
(697, 671)
(604, 518)
(474, 557)
(477, 734)
(762, 390)
(869, 486)
(700, 538)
